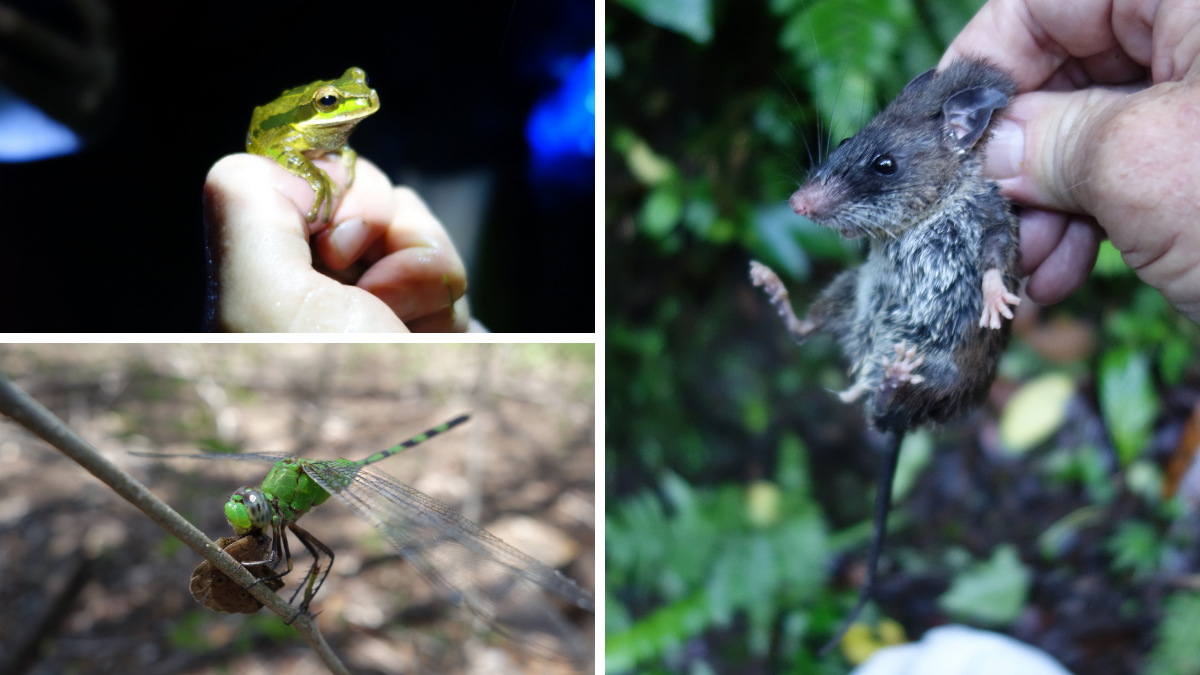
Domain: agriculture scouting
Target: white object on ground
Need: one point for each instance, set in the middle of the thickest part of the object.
(959, 650)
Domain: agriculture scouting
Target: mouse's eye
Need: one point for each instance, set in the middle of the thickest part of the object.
(884, 164)
(844, 141)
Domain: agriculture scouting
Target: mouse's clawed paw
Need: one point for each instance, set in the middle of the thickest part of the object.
(996, 300)
(854, 392)
(901, 369)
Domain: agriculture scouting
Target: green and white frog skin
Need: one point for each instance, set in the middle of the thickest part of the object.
(309, 121)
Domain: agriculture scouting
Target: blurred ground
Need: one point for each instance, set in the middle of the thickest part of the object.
(93, 586)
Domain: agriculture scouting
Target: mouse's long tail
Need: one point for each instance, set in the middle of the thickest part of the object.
(883, 502)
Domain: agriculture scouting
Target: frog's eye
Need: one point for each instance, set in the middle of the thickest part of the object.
(326, 100)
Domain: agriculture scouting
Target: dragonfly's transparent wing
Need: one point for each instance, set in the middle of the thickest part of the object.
(469, 566)
(271, 457)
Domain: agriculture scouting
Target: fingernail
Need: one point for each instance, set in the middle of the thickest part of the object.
(403, 304)
(1005, 151)
(348, 239)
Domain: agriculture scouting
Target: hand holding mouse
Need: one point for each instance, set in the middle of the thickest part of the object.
(1101, 140)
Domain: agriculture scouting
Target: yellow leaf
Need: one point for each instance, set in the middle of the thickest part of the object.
(1035, 412)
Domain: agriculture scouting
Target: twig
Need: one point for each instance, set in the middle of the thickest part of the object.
(33, 416)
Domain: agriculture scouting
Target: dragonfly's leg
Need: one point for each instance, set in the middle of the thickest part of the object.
(278, 540)
(310, 542)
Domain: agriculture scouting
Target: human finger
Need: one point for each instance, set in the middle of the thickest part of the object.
(1031, 39)
(260, 267)
(420, 272)
(1067, 264)
(362, 218)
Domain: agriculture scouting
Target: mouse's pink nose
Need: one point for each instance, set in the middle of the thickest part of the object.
(812, 200)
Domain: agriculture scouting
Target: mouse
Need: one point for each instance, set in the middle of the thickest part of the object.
(924, 320)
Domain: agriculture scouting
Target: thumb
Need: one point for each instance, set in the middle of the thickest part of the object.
(1042, 152)
(1127, 159)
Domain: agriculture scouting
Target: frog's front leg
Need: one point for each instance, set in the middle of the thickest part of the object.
(325, 192)
(348, 158)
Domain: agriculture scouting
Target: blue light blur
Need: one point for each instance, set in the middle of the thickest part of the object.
(561, 129)
(27, 134)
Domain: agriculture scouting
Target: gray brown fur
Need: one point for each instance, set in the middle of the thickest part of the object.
(936, 225)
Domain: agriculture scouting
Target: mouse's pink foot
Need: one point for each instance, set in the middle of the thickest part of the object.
(854, 392)
(761, 275)
(901, 369)
(996, 300)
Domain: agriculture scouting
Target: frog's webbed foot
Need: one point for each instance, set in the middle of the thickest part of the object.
(996, 300)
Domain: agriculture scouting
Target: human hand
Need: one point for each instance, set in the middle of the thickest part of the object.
(1095, 149)
(261, 274)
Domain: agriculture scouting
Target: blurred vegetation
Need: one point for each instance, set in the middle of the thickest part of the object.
(740, 490)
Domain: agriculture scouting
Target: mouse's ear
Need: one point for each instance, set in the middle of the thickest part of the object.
(919, 80)
(967, 113)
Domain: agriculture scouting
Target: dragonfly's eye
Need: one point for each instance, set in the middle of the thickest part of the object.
(257, 508)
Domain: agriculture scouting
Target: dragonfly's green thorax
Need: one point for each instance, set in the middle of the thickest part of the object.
(287, 487)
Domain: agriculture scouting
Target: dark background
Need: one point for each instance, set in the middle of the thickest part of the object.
(111, 239)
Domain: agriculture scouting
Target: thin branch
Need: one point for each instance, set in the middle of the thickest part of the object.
(33, 416)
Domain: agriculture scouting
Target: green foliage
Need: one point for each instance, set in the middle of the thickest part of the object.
(992, 591)
(1178, 649)
(1083, 465)
(709, 555)
(1150, 326)
(916, 451)
(714, 113)
(189, 633)
(1135, 548)
(826, 38)
(217, 445)
(1057, 538)
(692, 18)
(168, 546)
(1109, 262)
(1127, 401)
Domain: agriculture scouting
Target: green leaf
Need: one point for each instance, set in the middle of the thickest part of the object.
(189, 633)
(1174, 358)
(659, 632)
(791, 471)
(1127, 401)
(848, 47)
(915, 454)
(661, 211)
(991, 592)
(1176, 653)
(648, 167)
(1057, 538)
(692, 18)
(1109, 262)
(1135, 548)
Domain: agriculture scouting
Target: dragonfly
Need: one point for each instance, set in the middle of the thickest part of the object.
(468, 566)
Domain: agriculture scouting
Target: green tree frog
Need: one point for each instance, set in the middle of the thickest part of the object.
(306, 122)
